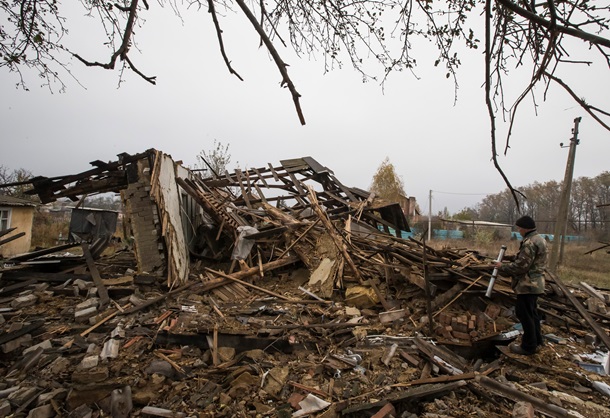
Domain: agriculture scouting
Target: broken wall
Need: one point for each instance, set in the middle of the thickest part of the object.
(143, 220)
(22, 218)
(164, 191)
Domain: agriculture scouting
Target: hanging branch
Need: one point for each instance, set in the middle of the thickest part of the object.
(587, 107)
(533, 17)
(281, 65)
(212, 11)
(122, 51)
(492, 118)
(535, 79)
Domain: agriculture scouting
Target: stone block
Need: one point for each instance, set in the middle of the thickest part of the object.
(95, 375)
(24, 301)
(21, 395)
(121, 403)
(85, 314)
(45, 345)
(17, 343)
(45, 411)
(5, 408)
(523, 410)
(87, 304)
(81, 284)
(89, 362)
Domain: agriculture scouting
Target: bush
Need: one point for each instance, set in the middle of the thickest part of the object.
(47, 230)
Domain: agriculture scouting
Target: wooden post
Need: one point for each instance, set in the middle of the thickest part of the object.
(562, 215)
(427, 291)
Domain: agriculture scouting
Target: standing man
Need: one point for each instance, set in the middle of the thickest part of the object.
(527, 272)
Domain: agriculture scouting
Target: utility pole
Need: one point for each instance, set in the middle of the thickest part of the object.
(562, 215)
(430, 215)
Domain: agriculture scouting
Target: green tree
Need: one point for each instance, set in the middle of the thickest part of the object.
(387, 184)
(466, 214)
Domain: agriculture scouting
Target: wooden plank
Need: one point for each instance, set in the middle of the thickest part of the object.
(273, 172)
(411, 393)
(294, 164)
(597, 329)
(536, 366)
(95, 274)
(6, 231)
(171, 293)
(240, 290)
(516, 395)
(260, 193)
(34, 254)
(296, 183)
(592, 291)
(255, 271)
(13, 238)
(260, 177)
(7, 290)
(223, 294)
(9, 336)
(344, 189)
(244, 193)
(434, 353)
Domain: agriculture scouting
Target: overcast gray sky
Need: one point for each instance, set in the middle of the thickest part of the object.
(351, 126)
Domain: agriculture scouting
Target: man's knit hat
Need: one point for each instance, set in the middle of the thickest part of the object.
(526, 222)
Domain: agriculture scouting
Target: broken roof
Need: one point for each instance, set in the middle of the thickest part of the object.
(6, 200)
(323, 313)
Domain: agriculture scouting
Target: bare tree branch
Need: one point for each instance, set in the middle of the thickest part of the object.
(587, 107)
(585, 36)
(286, 81)
(123, 50)
(212, 11)
(492, 118)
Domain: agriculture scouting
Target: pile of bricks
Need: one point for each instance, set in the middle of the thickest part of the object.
(469, 327)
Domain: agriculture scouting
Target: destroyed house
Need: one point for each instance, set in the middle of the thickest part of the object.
(174, 215)
(298, 303)
(16, 220)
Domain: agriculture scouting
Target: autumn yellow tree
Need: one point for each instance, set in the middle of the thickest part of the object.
(387, 184)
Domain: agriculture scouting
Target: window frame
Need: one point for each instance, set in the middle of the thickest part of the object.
(8, 210)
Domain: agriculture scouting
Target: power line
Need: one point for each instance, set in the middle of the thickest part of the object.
(463, 194)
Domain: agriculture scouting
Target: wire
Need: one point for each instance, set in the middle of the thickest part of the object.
(464, 194)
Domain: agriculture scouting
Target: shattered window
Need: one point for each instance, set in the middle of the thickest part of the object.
(5, 218)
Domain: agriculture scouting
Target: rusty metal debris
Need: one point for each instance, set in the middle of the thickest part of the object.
(276, 291)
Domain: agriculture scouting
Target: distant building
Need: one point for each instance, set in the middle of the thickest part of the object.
(408, 204)
(500, 230)
(16, 216)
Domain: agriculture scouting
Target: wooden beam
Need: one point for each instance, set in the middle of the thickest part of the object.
(14, 237)
(597, 329)
(95, 274)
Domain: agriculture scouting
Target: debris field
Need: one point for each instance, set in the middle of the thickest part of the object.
(276, 292)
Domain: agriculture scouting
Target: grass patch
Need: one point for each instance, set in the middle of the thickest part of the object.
(580, 267)
(576, 266)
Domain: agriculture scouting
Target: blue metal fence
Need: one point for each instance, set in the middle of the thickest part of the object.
(445, 234)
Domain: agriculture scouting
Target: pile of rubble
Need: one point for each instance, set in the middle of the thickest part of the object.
(277, 291)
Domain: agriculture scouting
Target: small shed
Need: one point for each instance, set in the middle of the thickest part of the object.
(16, 220)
